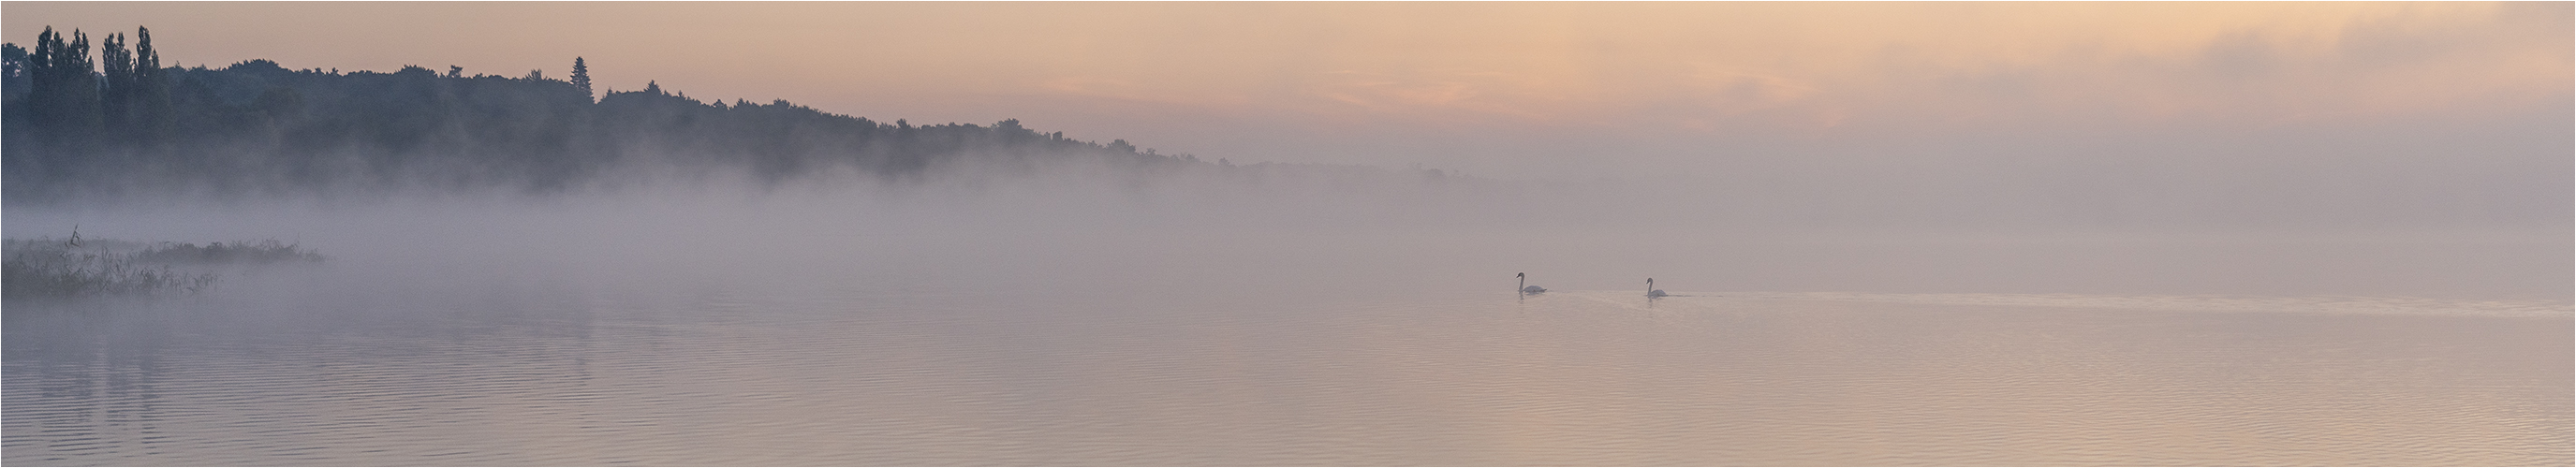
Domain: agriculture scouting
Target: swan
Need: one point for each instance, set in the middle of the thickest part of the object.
(1651, 291)
(1526, 288)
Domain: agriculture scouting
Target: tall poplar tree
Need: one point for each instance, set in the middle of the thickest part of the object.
(151, 96)
(44, 86)
(116, 98)
(63, 90)
(80, 76)
(40, 64)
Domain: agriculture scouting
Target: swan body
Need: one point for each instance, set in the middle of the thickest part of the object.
(1526, 288)
(1651, 291)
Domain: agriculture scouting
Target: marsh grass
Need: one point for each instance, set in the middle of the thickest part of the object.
(76, 267)
(236, 253)
(47, 267)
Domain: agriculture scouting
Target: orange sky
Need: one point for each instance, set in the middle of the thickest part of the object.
(1396, 83)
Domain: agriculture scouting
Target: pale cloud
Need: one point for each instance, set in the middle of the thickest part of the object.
(1127, 89)
(1548, 64)
(1439, 93)
(1216, 78)
(2269, 65)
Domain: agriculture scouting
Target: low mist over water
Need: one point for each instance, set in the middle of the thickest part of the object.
(273, 262)
(347, 366)
(1052, 321)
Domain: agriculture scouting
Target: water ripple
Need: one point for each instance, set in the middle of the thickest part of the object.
(1565, 378)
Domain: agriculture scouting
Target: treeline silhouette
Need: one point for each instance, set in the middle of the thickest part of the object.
(77, 126)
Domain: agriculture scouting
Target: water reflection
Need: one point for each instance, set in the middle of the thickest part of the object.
(594, 374)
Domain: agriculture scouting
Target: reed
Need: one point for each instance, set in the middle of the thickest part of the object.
(244, 252)
(60, 268)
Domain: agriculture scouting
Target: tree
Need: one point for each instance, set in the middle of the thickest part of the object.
(40, 78)
(151, 96)
(62, 92)
(13, 69)
(116, 98)
(145, 59)
(258, 125)
(581, 76)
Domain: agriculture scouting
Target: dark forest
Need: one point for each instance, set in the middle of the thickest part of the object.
(119, 122)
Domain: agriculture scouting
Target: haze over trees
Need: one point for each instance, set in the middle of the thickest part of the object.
(125, 123)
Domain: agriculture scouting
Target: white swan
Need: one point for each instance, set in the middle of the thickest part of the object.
(1651, 291)
(1526, 288)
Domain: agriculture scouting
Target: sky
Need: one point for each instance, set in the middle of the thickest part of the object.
(1676, 128)
(2442, 98)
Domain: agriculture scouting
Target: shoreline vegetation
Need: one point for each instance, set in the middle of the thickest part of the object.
(118, 122)
(74, 267)
(259, 252)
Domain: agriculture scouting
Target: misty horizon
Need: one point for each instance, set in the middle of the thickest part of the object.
(1387, 234)
(2174, 193)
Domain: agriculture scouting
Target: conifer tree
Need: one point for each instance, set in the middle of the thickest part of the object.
(581, 76)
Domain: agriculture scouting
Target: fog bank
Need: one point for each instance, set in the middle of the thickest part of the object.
(1363, 231)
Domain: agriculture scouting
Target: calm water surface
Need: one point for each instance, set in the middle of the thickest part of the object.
(716, 373)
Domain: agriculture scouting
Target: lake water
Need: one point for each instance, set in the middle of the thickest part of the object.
(346, 365)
